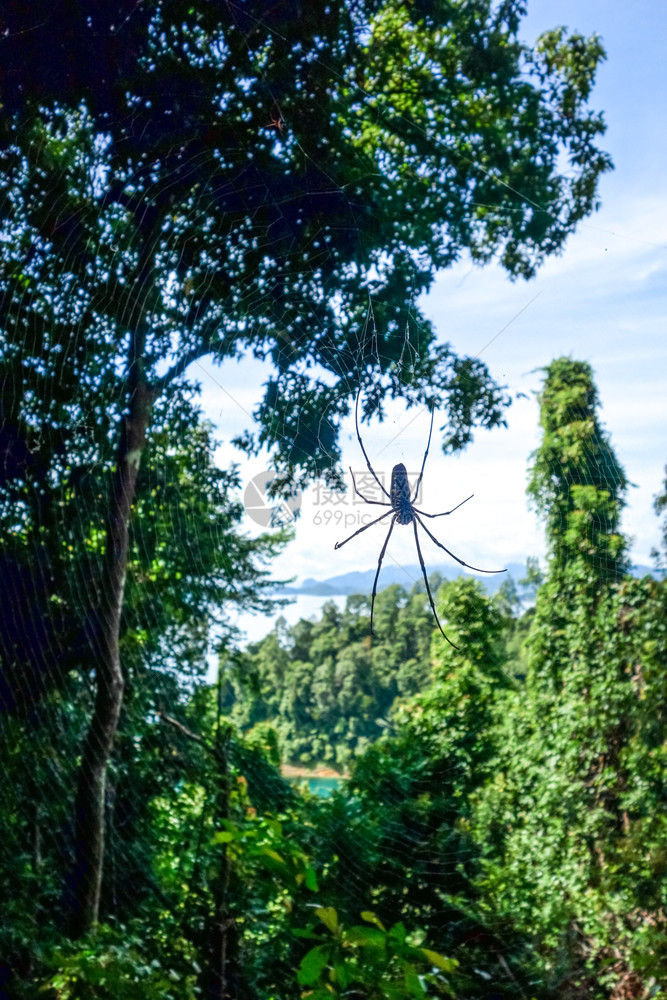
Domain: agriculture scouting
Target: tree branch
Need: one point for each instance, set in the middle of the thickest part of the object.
(184, 730)
(204, 347)
(179, 367)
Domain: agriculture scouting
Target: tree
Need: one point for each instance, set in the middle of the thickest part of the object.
(567, 820)
(203, 180)
(576, 481)
(182, 574)
(578, 486)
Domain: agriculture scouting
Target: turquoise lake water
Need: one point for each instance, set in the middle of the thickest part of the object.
(319, 786)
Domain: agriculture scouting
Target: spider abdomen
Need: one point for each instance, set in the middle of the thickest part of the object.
(400, 494)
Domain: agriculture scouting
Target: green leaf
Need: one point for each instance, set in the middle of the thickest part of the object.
(413, 983)
(398, 932)
(303, 932)
(311, 879)
(270, 860)
(312, 965)
(268, 852)
(329, 917)
(341, 975)
(224, 837)
(366, 937)
(440, 962)
(370, 918)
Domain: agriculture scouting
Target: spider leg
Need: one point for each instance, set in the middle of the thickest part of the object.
(462, 563)
(339, 545)
(377, 575)
(428, 589)
(445, 512)
(428, 445)
(368, 461)
(378, 503)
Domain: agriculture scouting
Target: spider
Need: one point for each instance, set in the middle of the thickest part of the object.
(405, 512)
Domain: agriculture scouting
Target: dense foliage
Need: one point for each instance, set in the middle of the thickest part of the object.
(572, 822)
(501, 832)
(324, 687)
(180, 181)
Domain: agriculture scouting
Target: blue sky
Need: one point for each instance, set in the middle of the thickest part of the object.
(604, 301)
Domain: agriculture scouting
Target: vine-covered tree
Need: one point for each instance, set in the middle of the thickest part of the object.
(578, 486)
(568, 823)
(185, 180)
(577, 483)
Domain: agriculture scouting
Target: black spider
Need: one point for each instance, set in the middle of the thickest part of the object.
(405, 512)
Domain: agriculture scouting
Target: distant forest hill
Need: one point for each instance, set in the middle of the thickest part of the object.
(358, 582)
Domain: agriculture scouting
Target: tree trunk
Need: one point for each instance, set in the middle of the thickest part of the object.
(224, 928)
(90, 796)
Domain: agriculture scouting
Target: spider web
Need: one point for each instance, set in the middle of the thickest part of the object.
(52, 556)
